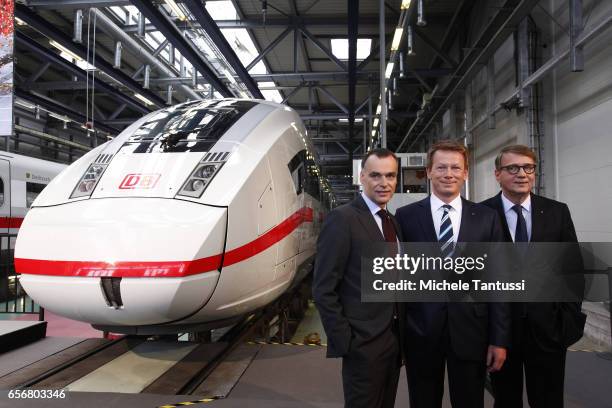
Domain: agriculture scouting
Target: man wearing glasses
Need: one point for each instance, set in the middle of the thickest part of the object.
(539, 340)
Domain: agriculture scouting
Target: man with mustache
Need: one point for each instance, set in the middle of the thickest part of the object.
(365, 335)
(467, 338)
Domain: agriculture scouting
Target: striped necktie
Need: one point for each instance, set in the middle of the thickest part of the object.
(446, 233)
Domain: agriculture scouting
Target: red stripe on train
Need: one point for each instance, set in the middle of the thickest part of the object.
(10, 222)
(172, 269)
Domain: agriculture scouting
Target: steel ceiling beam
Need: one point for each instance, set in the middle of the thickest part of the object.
(353, 29)
(269, 48)
(46, 54)
(332, 98)
(57, 108)
(439, 52)
(214, 33)
(313, 95)
(316, 76)
(504, 23)
(462, 14)
(369, 58)
(136, 47)
(293, 92)
(252, 21)
(55, 4)
(321, 117)
(172, 34)
(54, 33)
(322, 47)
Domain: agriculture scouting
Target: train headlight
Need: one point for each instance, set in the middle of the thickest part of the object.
(206, 171)
(196, 185)
(88, 182)
(199, 179)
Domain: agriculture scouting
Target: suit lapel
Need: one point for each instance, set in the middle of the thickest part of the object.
(398, 230)
(466, 214)
(366, 219)
(426, 221)
(538, 212)
(499, 207)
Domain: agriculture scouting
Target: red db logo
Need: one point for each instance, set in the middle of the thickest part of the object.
(137, 180)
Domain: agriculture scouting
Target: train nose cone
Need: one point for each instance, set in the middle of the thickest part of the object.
(122, 261)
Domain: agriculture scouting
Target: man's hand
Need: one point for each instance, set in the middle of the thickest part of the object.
(495, 358)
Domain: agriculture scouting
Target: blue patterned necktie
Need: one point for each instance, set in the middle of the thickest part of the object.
(445, 238)
(520, 234)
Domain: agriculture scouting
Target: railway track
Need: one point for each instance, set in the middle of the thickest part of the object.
(166, 366)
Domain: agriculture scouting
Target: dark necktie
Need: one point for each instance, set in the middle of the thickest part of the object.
(520, 234)
(390, 236)
(387, 226)
(446, 233)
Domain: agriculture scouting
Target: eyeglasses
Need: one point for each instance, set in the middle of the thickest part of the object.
(515, 168)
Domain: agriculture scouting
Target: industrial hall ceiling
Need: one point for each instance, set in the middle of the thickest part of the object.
(94, 67)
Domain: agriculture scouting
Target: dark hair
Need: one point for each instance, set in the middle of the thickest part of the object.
(449, 145)
(516, 149)
(381, 153)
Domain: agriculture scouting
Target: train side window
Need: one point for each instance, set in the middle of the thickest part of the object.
(32, 191)
(298, 170)
(1, 192)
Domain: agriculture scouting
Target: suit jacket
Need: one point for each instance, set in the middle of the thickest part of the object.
(471, 326)
(345, 233)
(554, 325)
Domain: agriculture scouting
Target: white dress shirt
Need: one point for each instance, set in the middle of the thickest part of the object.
(374, 208)
(512, 217)
(437, 211)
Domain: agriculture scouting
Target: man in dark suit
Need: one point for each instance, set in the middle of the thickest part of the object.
(363, 334)
(466, 337)
(541, 331)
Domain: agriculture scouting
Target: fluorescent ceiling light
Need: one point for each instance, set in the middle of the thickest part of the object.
(345, 120)
(405, 4)
(373, 133)
(378, 109)
(375, 124)
(177, 10)
(59, 117)
(20, 21)
(25, 104)
(64, 49)
(84, 65)
(144, 99)
(389, 70)
(397, 38)
(339, 48)
(229, 76)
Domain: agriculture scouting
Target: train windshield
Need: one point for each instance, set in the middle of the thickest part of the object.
(191, 127)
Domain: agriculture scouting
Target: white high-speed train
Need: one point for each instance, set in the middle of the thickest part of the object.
(194, 215)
